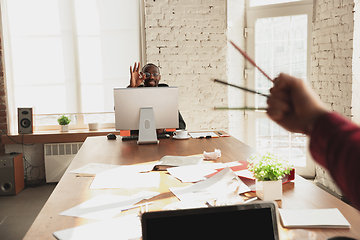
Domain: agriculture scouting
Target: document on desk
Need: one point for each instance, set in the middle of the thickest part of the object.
(126, 227)
(126, 177)
(91, 169)
(106, 206)
(203, 135)
(313, 218)
(194, 173)
(218, 186)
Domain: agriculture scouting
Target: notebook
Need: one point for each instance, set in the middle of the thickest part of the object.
(313, 218)
(226, 222)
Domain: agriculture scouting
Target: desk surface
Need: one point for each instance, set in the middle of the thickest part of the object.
(72, 190)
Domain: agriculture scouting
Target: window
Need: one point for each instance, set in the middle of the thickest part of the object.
(66, 56)
(278, 42)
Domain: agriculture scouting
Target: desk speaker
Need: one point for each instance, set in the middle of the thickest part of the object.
(25, 120)
(11, 174)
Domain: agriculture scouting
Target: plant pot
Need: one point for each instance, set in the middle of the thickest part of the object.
(64, 128)
(269, 190)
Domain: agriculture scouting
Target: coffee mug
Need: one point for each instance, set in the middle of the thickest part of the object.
(181, 133)
(93, 126)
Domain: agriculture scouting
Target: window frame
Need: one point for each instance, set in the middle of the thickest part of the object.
(269, 11)
(12, 121)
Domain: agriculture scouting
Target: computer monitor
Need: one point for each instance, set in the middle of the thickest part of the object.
(146, 109)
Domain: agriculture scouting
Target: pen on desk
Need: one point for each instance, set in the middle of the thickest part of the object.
(223, 134)
(207, 137)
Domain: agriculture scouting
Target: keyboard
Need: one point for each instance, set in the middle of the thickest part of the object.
(135, 137)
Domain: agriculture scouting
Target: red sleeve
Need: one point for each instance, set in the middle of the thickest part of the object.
(335, 144)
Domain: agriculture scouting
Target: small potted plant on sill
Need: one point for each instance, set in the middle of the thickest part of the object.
(268, 171)
(64, 122)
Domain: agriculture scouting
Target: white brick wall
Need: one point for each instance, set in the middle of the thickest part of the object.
(332, 53)
(187, 40)
(332, 63)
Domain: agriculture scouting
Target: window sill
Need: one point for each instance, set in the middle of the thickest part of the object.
(78, 135)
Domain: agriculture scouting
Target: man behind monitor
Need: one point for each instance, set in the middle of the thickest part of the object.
(149, 77)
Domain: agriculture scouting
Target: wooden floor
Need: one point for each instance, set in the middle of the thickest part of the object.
(18, 212)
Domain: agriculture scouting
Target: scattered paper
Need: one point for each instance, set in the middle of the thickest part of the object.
(126, 177)
(177, 161)
(194, 173)
(92, 169)
(106, 206)
(184, 205)
(212, 155)
(246, 174)
(222, 184)
(203, 134)
(121, 228)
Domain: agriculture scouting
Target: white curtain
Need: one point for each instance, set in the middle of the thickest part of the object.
(66, 56)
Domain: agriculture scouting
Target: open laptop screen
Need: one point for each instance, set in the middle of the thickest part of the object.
(257, 221)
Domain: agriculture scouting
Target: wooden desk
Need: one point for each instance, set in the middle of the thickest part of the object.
(72, 190)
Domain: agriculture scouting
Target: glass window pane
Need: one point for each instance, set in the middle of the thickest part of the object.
(273, 138)
(280, 46)
(99, 118)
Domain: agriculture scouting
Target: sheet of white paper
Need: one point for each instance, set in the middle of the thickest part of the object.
(245, 173)
(202, 134)
(93, 168)
(127, 227)
(106, 206)
(219, 185)
(232, 164)
(194, 173)
(126, 177)
(313, 218)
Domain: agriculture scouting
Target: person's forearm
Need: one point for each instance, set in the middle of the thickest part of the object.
(335, 144)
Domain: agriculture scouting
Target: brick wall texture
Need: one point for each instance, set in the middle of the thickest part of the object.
(187, 40)
(332, 62)
(332, 53)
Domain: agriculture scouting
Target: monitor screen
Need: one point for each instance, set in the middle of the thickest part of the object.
(129, 101)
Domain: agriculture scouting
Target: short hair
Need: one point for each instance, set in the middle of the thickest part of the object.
(149, 65)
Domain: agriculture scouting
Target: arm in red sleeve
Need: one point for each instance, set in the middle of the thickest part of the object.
(335, 144)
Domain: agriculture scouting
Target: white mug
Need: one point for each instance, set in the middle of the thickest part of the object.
(181, 133)
(93, 126)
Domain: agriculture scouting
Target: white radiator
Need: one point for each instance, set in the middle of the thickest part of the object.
(57, 159)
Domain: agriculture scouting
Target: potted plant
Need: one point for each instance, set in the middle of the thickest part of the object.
(64, 122)
(268, 171)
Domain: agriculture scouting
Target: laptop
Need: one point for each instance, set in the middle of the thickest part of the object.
(246, 221)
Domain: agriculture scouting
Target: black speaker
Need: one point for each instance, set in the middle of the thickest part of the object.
(11, 174)
(25, 120)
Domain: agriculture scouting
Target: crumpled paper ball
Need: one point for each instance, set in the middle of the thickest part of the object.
(212, 155)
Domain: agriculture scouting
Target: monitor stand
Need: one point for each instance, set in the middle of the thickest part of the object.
(147, 127)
